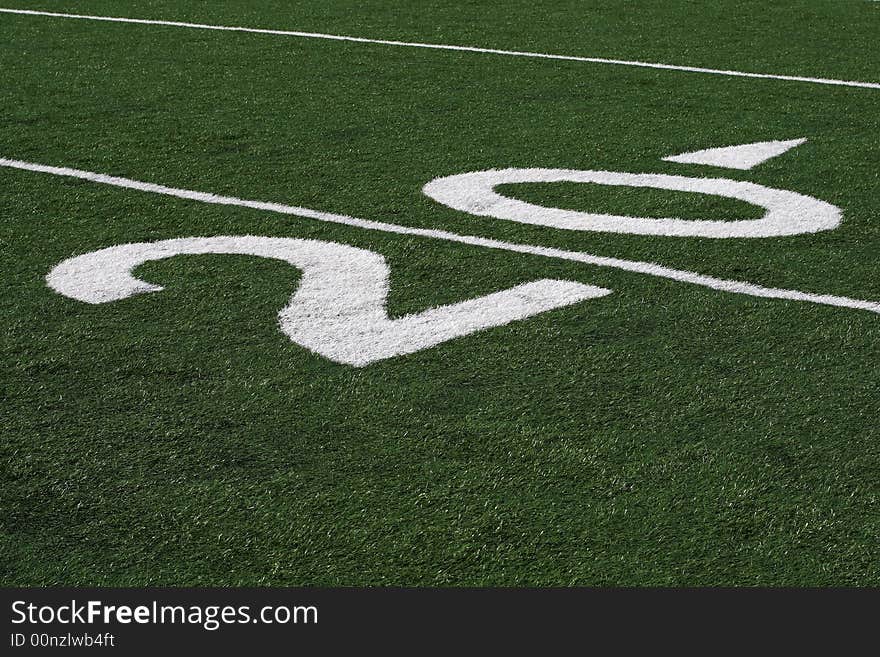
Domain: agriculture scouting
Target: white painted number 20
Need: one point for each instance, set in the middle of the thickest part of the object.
(338, 310)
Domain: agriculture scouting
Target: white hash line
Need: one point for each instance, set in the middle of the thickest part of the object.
(649, 268)
(440, 46)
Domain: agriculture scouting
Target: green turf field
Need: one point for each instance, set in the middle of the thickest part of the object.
(664, 434)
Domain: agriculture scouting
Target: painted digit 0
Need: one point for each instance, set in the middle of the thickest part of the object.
(788, 213)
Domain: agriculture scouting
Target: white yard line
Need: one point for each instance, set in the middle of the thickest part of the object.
(440, 46)
(652, 269)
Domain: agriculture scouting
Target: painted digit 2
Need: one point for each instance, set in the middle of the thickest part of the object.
(338, 309)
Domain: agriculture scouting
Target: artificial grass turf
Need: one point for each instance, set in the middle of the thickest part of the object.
(664, 434)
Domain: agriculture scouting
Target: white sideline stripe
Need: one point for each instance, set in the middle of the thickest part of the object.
(441, 46)
(649, 268)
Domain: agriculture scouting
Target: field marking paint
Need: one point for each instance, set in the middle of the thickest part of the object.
(788, 213)
(338, 309)
(649, 268)
(440, 46)
(743, 156)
